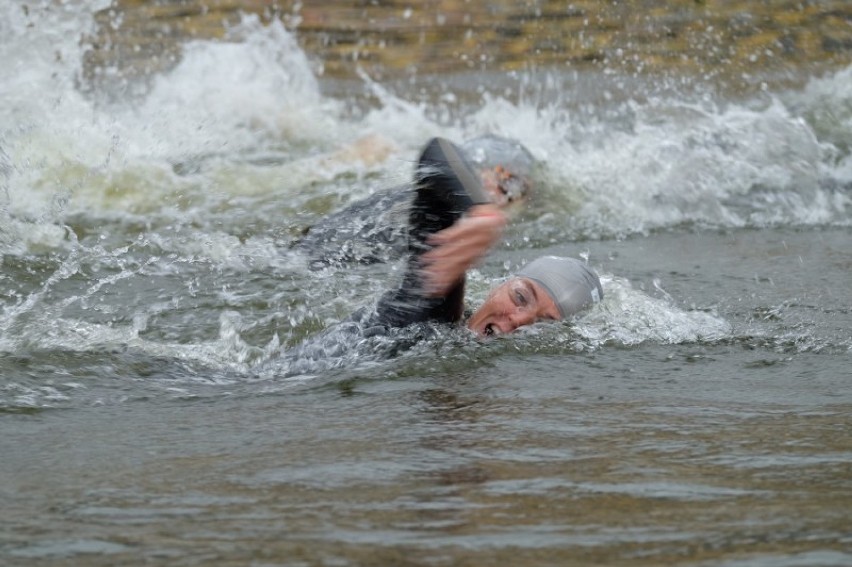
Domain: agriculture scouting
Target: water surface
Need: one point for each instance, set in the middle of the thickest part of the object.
(148, 295)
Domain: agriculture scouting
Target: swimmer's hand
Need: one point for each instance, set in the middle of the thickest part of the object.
(460, 247)
(368, 150)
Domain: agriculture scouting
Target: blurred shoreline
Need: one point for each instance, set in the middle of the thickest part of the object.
(736, 43)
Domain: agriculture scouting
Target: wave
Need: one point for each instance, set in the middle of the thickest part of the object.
(248, 117)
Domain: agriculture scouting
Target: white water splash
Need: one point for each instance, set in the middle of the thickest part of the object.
(667, 163)
(185, 145)
(228, 97)
(628, 317)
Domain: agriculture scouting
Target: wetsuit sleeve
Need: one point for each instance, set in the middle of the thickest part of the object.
(446, 187)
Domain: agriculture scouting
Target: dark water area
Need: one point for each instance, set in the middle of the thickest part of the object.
(150, 298)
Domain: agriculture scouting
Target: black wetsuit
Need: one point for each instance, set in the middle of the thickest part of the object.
(370, 231)
(445, 188)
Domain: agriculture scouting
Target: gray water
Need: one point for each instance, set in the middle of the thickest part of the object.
(148, 296)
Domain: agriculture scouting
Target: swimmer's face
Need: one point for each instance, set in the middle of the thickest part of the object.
(517, 302)
(503, 186)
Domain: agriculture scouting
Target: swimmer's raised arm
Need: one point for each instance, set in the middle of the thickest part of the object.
(447, 192)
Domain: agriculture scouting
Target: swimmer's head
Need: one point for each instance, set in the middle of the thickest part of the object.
(505, 166)
(549, 288)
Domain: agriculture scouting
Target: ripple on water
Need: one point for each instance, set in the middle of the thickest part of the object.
(68, 548)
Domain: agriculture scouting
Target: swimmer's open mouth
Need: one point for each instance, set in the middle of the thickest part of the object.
(489, 330)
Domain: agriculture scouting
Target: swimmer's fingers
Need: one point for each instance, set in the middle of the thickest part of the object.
(459, 247)
(463, 245)
(481, 228)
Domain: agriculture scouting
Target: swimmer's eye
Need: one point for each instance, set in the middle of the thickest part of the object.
(521, 298)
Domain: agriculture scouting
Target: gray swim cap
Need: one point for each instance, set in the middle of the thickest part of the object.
(571, 284)
(490, 151)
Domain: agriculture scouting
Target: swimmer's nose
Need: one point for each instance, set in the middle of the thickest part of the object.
(520, 318)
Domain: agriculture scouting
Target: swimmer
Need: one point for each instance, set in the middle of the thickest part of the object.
(374, 229)
(453, 224)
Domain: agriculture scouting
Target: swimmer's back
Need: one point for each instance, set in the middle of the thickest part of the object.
(369, 231)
